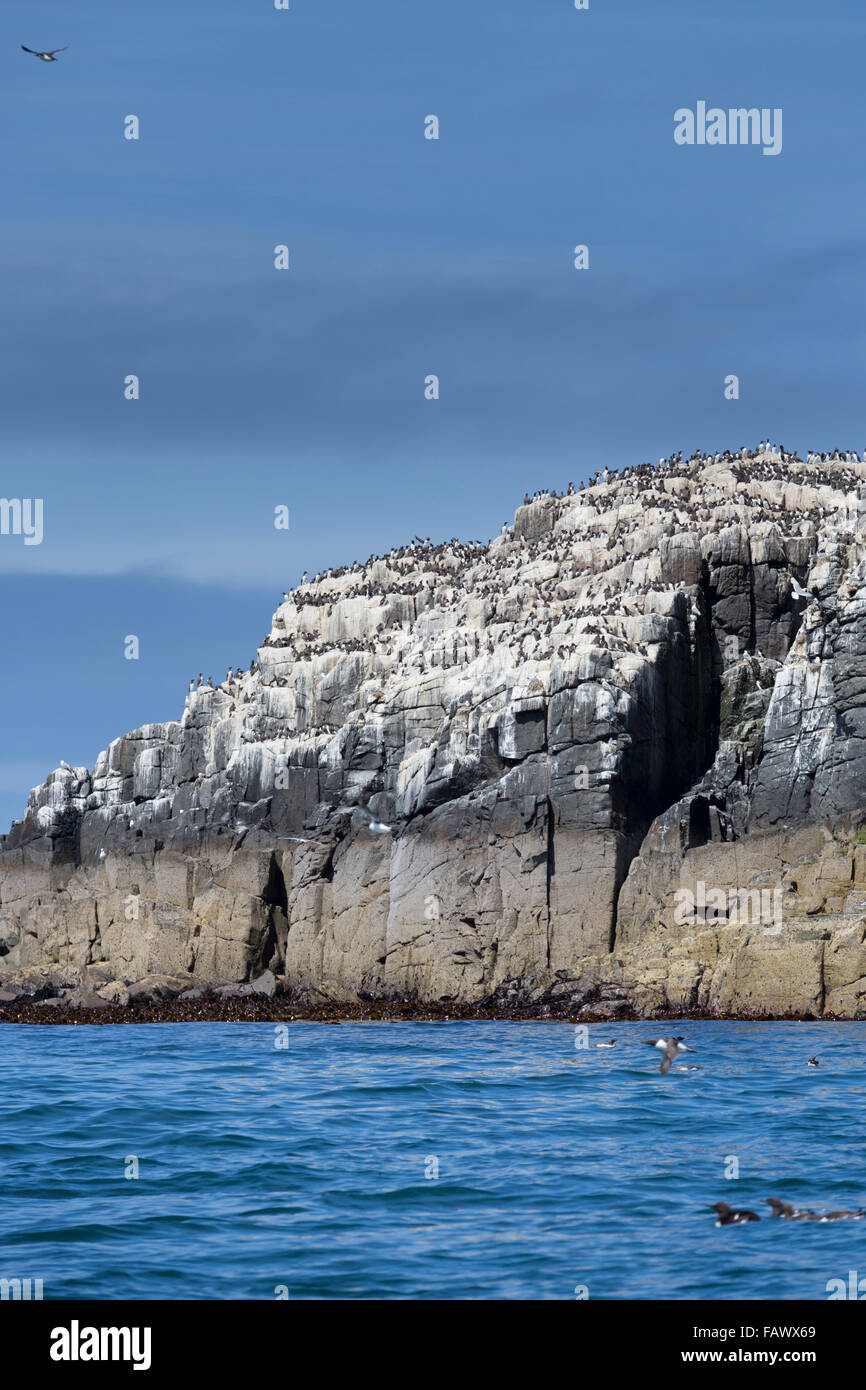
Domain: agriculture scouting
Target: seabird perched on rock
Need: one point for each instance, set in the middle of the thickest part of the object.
(46, 57)
(728, 1216)
(671, 1047)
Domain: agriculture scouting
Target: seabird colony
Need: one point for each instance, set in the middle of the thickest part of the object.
(577, 575)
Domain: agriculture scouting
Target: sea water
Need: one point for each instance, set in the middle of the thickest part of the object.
(455, 1160)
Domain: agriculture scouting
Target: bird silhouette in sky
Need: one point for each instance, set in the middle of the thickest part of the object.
(46, 57)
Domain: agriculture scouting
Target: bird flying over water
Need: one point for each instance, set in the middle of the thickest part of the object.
(671, 1047)
(46, 57)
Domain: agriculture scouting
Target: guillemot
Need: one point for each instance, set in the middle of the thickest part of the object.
(730, 1217)
(671, 1047)
(46, 57)
(786, 1212)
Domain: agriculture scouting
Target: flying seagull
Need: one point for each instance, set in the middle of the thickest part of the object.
(799, 592)
(46, 57)
(671, 1047)
(378, 827)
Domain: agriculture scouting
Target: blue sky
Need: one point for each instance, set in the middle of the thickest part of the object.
(409, 256)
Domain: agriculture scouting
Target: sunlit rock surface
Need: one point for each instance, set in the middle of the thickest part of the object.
(566, 731)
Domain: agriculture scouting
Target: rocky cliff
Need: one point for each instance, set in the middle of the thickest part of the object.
(613, 760)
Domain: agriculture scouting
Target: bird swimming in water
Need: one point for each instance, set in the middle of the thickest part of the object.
(789, 1213)
(730, 1217)
(612, 1043)
(786, 1212)
(813, 1062)
(671, 1047)
(46, 57)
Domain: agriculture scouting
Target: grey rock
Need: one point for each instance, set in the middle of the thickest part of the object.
(265, 984)
(85, 999)
(114, 993)
(157, 987)
(562, 731)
